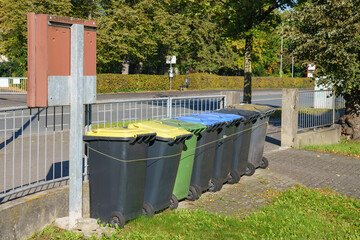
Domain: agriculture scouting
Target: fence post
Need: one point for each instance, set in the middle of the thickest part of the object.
(289, 116)
(169, 107)
(76, 124)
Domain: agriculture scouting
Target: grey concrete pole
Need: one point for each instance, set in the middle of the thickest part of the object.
(289, 116)
(76, 120)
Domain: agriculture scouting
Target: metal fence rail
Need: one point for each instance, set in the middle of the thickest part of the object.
(121, 113)
(34, 143)
(13, 85)
(319, 108)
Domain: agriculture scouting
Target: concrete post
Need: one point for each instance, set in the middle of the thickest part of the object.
(232, 98)
(76, 121)
(289, 116)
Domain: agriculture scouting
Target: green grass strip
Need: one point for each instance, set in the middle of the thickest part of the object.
(299, 213)
(344, 147)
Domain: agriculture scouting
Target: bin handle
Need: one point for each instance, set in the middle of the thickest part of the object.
(181, 138)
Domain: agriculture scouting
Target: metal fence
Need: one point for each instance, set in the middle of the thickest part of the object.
(13, 85)
(319, 108)
(120, 113)
(34, 143)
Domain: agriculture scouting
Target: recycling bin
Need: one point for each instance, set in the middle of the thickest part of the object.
(201, 177)
(224, 146)
(117, 167)
(182, 188)
(239, 163)
(163, 155)
(258, 134)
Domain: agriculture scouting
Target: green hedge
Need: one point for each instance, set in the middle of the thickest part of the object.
(107, 83)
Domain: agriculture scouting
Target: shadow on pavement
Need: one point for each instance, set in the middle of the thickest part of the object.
(273, 141)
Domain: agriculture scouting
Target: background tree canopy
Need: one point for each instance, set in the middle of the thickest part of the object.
(327, 33)
(143, 32)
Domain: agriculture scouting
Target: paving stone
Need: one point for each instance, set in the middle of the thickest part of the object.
(287, 167)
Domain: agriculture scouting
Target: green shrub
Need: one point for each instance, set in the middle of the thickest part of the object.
(107, 83)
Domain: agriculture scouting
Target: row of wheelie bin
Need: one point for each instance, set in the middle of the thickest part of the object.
(149, 166)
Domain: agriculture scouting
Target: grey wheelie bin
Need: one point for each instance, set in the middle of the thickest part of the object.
(224, 147)
(201, 177)
(240, 165)
(182, 188)
(161, 167)
(258, 134)
(117, 167)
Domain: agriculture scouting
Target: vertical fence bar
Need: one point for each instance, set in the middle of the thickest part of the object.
(54, 129)
(30, 147)
(46, 134)
(38, 147)
(22, 148)
(13, 152)
(62, 141)
(117, 114)
(5, 151)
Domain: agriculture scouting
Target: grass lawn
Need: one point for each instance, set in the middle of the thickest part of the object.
(299, 213)
(351, 148)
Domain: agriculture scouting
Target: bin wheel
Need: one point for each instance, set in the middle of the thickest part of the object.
(250, 170)
(174, 203)
(233, 177)
(198, 189)
(215, 185)
(148, 210)
(117, 218)
(264, 163)
(192, 194)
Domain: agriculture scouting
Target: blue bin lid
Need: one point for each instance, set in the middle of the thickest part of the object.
(248, 116)
(229, 119)
(208, 121)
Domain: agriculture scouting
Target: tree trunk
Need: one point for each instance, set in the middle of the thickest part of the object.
(125, 65)
(350, 121)
(139, 67)
(247, 69)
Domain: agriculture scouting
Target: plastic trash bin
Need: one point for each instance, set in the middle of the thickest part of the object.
(201, 177)
(224, 147)
(117, 166)
(161, 167)
(239, 164)
(182, 188)
(258, 134)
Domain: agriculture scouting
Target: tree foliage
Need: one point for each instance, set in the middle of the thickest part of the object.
(327, 33)
(243, 19)
(13, 26)
(205, 35)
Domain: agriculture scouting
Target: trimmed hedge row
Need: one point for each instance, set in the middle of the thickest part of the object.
(107, 83)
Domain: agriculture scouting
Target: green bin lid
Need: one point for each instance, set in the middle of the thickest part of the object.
(195, 128)
(163, 131)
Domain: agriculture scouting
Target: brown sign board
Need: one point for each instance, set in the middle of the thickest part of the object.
(49, 58)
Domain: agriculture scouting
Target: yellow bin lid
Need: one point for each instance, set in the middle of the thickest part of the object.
(119, 132)
(162, 130)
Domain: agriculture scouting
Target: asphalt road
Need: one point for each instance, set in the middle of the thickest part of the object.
(261, 96)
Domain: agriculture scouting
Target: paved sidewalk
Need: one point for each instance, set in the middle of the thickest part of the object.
(286, 168)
